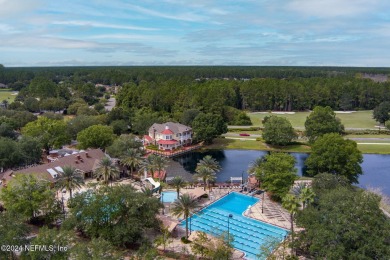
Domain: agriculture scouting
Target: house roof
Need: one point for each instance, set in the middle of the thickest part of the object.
(167, 142)
(79, 161)
(150, 139)
(167, 132)
(174, 127)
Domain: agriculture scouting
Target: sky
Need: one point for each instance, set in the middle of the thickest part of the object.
(197, 32)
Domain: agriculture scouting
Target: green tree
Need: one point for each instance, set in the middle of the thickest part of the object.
(31, 104)
(96, 136)
(50, 133)
(13, 232)
(291, 204)
(184, 206)
(255, 165)
(188, 116)
(6, 130)
(30, 150)
(278, 131)
(79, 123)
(122, 143)
(322, 121)
(332, 154)
(208, 126)
(28, 196)
(346, 224)
(70, 179)
(51, 237)
(206, 174)
(96, 249)
(160, 163)
(164, 238)
(52, 104)
(277, 174)
(119, 126)
(178, 183)
(381, 112)
(106, 170)
(326, 181)
(210, 163)
(119, 214)
(132, 159)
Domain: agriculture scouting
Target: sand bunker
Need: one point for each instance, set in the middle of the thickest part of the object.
(344, 112)
(283, 113)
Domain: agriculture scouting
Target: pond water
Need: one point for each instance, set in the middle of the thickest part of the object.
(376, 167)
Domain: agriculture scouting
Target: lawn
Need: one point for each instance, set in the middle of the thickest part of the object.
(6, 94)
(359, 119)
(374, 148)
(225, 143)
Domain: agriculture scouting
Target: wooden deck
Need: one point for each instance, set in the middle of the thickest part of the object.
(171, 154)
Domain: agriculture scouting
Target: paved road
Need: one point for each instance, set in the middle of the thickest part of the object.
(110, 104)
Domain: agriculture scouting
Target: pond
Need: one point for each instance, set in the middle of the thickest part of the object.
(376, 167)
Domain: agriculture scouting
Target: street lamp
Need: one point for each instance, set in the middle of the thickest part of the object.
(229, 217)
(162, 201)
(262, 203)
(63, 204)
(190, 223)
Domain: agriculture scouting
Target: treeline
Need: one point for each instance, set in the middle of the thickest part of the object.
(340, 93)
(120, 75)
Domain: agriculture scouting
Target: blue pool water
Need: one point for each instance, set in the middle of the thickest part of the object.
(168, 196)
(248, 234)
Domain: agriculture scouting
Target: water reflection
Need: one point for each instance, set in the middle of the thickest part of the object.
(376, 168)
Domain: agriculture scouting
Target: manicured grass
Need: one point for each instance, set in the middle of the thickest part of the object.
(374, 148)
(225, 143)
(359, 119)
(6, 94)
(367, 136)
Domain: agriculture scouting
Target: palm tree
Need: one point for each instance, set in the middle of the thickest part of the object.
(290, 202)
(160, 164)
(178, 183)
(205, 174)
(255, 165)
(70, 179)
(106, 169)
(132, 159)
(148, 164)
(147, 191)
(210, 163)
(184, 206)
(307, 196)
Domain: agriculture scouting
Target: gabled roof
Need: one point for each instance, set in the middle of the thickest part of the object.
(85, 164)
(150, 139)
(174, 127)
(167, 132)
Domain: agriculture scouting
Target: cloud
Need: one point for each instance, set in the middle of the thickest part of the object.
(10, 8)
(101, 25)
(334, 8)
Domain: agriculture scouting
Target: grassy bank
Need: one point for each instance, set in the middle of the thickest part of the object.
(359, 119)
(250, 144)
(6, 94)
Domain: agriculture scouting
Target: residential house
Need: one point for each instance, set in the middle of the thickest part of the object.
(169, 136)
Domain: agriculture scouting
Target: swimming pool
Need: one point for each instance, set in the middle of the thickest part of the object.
(168, 196)
(248, 234)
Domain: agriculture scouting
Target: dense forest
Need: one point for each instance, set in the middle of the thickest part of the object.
(176, 93)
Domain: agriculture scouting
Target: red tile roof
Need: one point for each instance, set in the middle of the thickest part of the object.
(167, 132)
(150, 139)
(167, 142)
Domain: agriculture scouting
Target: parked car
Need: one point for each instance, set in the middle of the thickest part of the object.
(244, 134)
